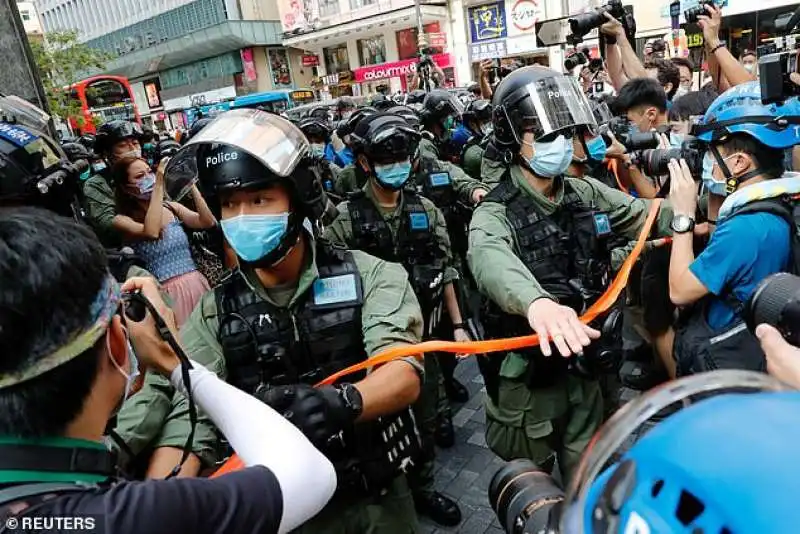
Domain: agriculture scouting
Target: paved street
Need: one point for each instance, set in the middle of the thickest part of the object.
(464, 471)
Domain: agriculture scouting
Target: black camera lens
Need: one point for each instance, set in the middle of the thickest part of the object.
(641, 141)
(525, 498)
(582, 24)
(655, 162)
(693, 12)
(776, 302)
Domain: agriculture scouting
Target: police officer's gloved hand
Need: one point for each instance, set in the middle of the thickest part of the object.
(318, 412)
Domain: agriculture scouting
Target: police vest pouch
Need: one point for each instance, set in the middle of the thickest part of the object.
(427, 282)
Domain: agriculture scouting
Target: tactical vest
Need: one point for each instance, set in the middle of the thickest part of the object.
(265, 346)
(415, 248)
(567, 252)
(435, 183)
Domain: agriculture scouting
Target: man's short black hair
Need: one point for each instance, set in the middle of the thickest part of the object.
(52, 269)
(667, 72)
(682, 62)
(768, 160)
(640, 92)
(748, 53)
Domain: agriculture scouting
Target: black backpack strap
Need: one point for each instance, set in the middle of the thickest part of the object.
(782, 207)
(19, 493)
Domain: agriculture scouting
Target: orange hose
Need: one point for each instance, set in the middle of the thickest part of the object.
(602, 304)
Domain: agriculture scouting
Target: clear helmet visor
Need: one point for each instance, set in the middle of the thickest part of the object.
(550, 105)
(24, 112)
(277, 143)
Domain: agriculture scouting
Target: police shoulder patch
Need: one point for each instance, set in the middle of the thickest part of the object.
(419, 221)
(335, 289)
(16, 134)
(602, 224)
(438, 179)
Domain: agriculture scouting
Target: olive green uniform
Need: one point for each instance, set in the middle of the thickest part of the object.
(427, 148)
(472, 160)
(492, 171)
(347, 181)
(427, 407)
(561, 419)
(100, 209)
(390, 315)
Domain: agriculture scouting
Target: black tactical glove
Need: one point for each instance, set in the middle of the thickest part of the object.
(318, 412)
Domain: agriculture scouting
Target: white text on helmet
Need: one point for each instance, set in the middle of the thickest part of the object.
(213, 161)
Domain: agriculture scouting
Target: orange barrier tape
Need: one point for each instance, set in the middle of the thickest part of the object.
(602, 304)
(613, 166)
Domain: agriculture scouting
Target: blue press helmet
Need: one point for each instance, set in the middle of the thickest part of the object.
(740, 110)
(724, 465)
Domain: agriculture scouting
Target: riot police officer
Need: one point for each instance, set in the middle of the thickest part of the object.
(538, 251)
(399, 225)
(299, 309)
(477, 119)
(440, 114)
(318, 134)
(114, 140)
(349, 180)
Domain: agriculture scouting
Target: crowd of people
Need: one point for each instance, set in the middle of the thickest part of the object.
(223, 278)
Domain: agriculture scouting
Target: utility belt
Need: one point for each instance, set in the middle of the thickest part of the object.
(700, 348)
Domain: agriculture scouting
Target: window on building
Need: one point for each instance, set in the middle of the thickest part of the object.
(357, 4)
(25, 14)
(336, 59)
(372, 51)
(328, 8)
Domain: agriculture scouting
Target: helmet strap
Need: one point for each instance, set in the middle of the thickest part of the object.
(731, 182)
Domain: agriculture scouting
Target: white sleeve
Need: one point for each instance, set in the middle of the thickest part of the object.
(261, 436)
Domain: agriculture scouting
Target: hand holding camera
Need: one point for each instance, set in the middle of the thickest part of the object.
(612, 28)
(710, 24)
(151, 348)
(783, 359)
(683, 189)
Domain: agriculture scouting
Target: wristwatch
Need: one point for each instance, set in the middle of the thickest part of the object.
(682, 223)
(352, 399)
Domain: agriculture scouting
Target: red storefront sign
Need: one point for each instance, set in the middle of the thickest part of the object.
(310, 60)
(398, 69)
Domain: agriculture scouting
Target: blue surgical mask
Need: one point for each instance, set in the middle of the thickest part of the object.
(99, 166)
(449, 123)
(712, 186)
(85, 175)
(553, 158)
(146, 186)
(675, 139)
(254, 236)
(596, 148)
(394, 175)
(318, 149)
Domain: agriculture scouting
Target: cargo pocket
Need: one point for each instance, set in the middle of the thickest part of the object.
(513, 397)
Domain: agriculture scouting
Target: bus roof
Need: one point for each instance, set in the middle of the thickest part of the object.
(261, 98)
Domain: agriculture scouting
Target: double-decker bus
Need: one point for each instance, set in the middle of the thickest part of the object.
(105, 97)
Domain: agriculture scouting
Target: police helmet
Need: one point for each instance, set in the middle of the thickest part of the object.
(76, 152)
(417, 96)
(320, 113)
(385, 138)
(35, 171)
(538, 100)
(739, 110)
(197, 126)
(474, 88)
(113, 132)
(479, 110)
(166, 149)
(380, 102)
(251, 149)
(347, 127)
(312, 126)
(88, 141)
(410, 116)
(438, 105)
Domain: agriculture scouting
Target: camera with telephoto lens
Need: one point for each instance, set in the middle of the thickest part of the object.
(575, 59)
(655, 162)
(776, 302)
(581, 25)
(525, 498)
(773, 76)
(693, 12)
(633, 141)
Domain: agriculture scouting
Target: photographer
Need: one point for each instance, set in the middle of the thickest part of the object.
(667, 75)
(436, 78)
(725, 70)
(66, 338)
(743, 164)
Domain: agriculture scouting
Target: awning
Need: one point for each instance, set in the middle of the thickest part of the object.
(208, 42)
(378, 23)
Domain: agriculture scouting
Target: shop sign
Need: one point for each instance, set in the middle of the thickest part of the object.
(487, 22)
(302, 96)
(694, 40)
(398, 69)
(436, 39)
(310, 60)
(487, 50)
(524, 15)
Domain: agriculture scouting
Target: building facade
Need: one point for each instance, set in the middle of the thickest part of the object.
(30, 19)
(184, 56)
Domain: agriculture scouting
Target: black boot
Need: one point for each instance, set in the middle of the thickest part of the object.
(444, 435)
(456, 391)
(439, 508)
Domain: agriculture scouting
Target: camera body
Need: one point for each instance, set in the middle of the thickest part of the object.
(774, 70)
(581, 25)
(633, 141)
(575, 59)
(693, 12)
(655, 162)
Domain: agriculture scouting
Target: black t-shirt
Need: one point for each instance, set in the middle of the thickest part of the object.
(243, 502)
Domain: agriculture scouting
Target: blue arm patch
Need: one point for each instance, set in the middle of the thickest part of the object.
(438, 179)
(419, 221)
(16, 135)
(602, 225)
(335, 290)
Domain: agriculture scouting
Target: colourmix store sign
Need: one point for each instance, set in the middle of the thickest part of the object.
(397, 69)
